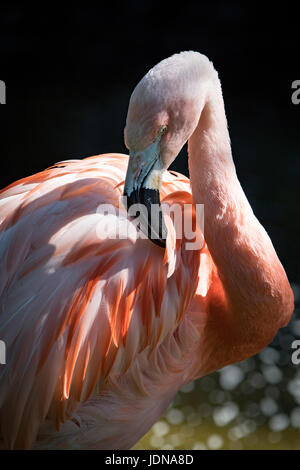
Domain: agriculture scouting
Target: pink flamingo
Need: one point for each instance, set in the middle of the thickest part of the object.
(102, 333)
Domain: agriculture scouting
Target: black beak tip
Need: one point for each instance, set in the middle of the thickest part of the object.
(161, 242)
(149, 199)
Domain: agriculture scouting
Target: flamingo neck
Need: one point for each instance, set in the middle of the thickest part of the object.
(247, 264)
(212, 172)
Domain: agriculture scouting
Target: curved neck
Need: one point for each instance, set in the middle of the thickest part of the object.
(247, 264)
(212, 171)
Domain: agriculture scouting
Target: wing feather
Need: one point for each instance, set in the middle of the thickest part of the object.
(77, 309)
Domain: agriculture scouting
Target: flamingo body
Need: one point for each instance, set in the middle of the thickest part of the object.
(101, 332)
(78, 312)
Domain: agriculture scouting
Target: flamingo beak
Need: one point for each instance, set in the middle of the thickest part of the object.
(142, 190)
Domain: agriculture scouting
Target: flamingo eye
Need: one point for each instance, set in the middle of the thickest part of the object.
(163, 130)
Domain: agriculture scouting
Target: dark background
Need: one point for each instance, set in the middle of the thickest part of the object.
(70, 70)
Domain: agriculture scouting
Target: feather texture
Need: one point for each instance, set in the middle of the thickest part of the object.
(77, 310)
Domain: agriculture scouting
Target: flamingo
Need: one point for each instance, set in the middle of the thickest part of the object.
(102, 332)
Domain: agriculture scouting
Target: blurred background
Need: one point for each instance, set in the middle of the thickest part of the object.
(69, 72)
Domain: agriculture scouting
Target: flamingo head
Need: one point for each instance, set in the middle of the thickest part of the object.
(164, 110)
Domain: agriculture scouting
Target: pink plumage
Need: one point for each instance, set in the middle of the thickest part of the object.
(101, 333)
